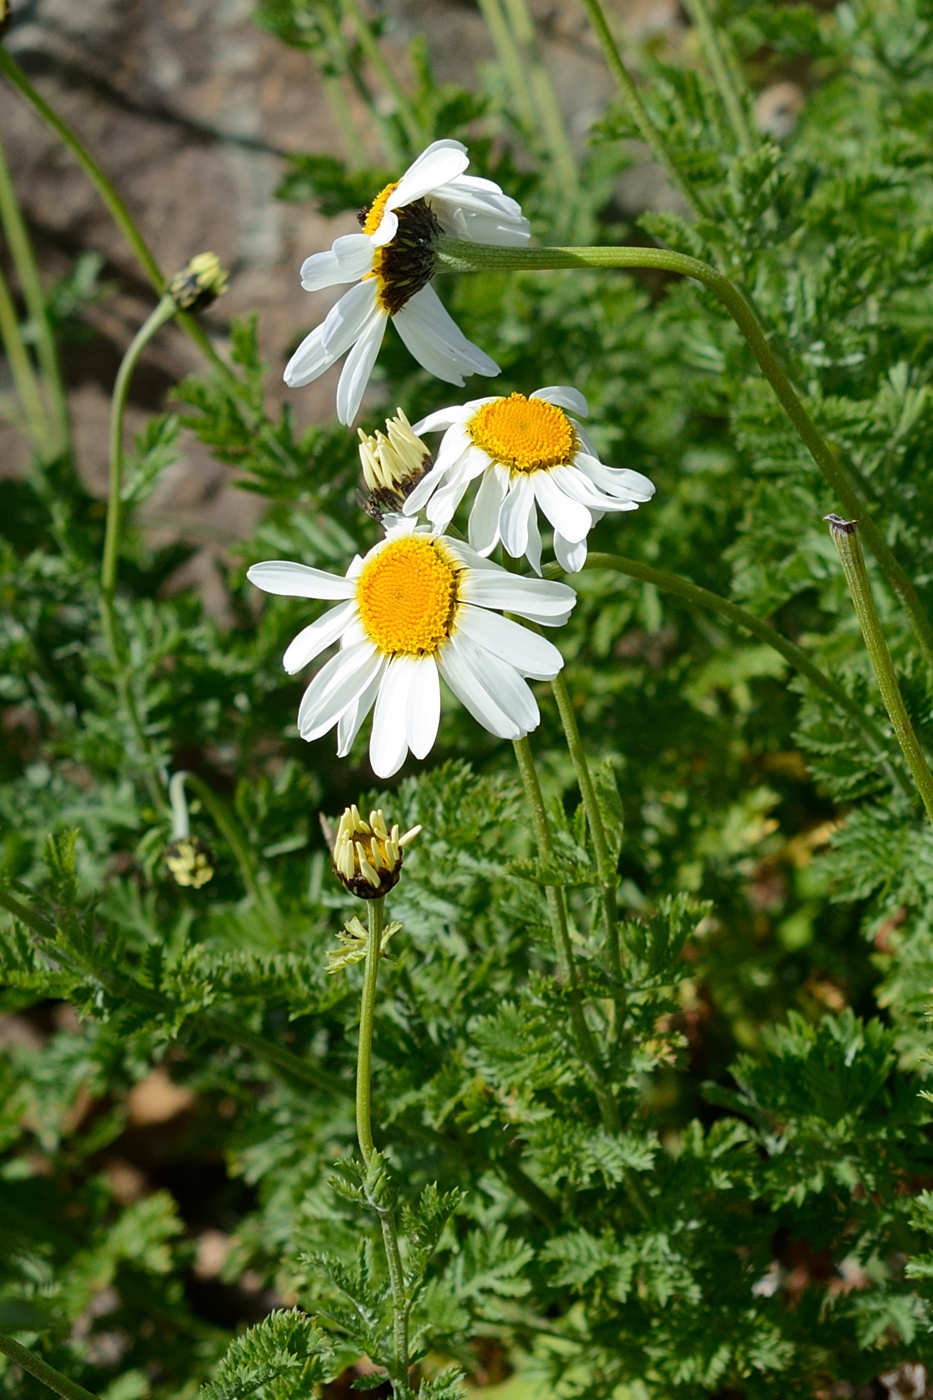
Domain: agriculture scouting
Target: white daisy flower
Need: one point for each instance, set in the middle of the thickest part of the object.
(417, 609)
(529, 453)
(393, 262)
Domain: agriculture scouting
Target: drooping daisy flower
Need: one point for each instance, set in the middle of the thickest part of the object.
(418, 608)
(393, 262)
(529, 453)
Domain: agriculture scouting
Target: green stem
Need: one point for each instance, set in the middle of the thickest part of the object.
(14, 227)
(845, 536)
(364, 1132)
(563, 948)
(740, 617)
(370, 46)
(162, 313)
(460, 256)
(107, 192)
(42, 1371)
(24, 376)
(605, 864)
(722, 75)
(636, 108)
(510, 62)
(547, 107)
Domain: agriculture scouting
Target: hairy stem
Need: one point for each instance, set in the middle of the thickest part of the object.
(14, 228)
(845, 537)
(605, 865)
(460, 256)
(637, 110)
(740, 617)
(563, 948)
(42, 1371)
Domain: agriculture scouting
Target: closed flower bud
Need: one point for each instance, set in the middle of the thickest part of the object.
(199, 284)
(393, 464)
(367, 855)
(189, 861)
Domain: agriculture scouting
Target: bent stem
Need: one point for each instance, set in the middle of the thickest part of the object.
(459, 256)
(636, 108)
(364, 1132)
(740, 617)
(568, 973)
(845, 537)
(42, 1371)
(605, 865)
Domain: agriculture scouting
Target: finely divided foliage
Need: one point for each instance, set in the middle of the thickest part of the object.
(645, 1109)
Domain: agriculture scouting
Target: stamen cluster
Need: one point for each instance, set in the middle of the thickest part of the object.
(393, 463)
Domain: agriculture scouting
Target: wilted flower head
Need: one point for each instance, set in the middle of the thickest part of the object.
(392, 261)
(199, 284)
(367, 855)
(393, 463)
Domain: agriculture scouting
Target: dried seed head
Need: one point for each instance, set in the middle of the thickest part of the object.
(189, 861)
(393, 464)
(198, 284)
(367, 855)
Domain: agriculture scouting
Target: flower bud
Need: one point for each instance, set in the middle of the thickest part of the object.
(393, 464)
(367, 855)
(189, 861)
(199, 284)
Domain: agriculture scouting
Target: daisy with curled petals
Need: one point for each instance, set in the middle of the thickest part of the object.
(529, 454)
(392, 261)
(417, 609)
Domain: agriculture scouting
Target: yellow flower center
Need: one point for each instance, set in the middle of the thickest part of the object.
(527, 435)
(407, 597)
(376, 210)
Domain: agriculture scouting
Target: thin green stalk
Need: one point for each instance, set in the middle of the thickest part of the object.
(605, 865)
(636, 108)
(364, 1132)
(740, 617)
(24, 376)
(544, 97)
(510, 61)
(722, 75)
(14, 227)
(845, 536)
(345, 62)
(105, 189)
(414, 132)
(563, 948)
(42, 1371)
(227, 826)
(460, 256)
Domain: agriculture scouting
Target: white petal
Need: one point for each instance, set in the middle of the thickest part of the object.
(351, 721)
(453, 444)
(479, 225)
(425, 489)
(571, 557)
(513, 517)
(578, 486)
(298, 580)
(339, 683)
(533, 552)
(437, 342)
(319, 350)
(530, 654)
(350, 258)
(617, 481)
(564, 397)
(359, 366)
(441, 162)
(484, 517)
(312, 640)
(443, 504)
(424, 706)
(388, 744)
(540, 600)
(455, 664)
(572, 520)
(502, 683)
(442, 418)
